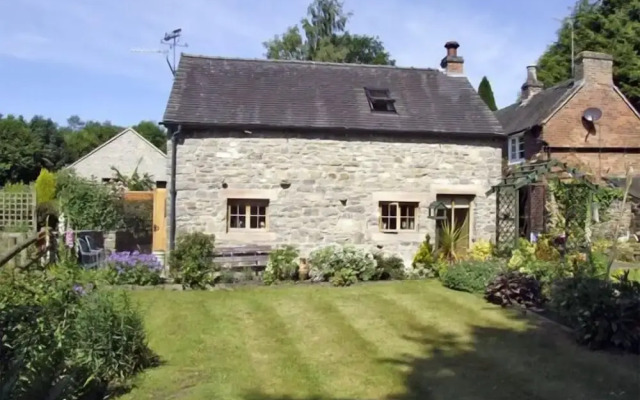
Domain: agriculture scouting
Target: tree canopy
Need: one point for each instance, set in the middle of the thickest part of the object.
(609, 26)
(486, 94)
(28, 146)
(326, 39)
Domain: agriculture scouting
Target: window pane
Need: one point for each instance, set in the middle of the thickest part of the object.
(393, 223)
(393, 210)
(253, 222)
(384, 212)
(262, 222)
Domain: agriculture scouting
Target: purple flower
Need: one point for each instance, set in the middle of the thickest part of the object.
(79, 290)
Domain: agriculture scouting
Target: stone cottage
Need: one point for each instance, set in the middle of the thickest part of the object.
(307, 153)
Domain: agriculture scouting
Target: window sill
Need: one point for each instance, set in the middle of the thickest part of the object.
(246, 235)
(396, 236)
(516, 162)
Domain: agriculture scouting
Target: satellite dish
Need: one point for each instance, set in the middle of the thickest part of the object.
(592, 114)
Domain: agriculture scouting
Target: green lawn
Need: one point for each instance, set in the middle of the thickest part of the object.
(391, 340)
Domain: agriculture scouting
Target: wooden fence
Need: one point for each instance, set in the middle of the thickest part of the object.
(18, 211)
(18, 254)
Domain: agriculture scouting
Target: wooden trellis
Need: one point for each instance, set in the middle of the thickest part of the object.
(18, 211)
(530, 175)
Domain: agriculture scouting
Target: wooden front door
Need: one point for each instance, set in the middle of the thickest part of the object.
(159, 220)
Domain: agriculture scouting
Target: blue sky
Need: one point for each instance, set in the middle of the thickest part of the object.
(64, 57)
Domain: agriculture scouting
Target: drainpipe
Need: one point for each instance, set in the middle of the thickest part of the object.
(172, 189)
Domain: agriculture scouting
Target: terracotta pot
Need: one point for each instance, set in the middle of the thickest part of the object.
(303, 269)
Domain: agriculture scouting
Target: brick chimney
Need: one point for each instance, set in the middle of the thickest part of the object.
(532, 85)
(452, 63)
(594, 68)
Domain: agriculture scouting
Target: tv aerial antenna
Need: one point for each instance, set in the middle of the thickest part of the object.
(172, 40)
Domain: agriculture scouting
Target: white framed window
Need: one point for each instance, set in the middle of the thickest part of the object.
(516, 149)
(245, 214)
(397, 216)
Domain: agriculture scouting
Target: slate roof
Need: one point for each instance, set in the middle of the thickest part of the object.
(519, 117)
(293, 94)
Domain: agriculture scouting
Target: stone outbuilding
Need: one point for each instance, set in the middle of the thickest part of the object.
(307, 153)
(126, 151)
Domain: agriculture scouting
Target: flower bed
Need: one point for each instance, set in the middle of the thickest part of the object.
(125, 268)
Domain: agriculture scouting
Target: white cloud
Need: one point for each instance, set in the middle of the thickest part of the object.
(98, 35)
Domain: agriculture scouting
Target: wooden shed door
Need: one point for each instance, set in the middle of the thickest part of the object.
(159, 220)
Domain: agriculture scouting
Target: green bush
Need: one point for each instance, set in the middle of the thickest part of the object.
(602, 313)
(45, 186)
(63, 340)
(344, 277)
(389, 267)
(282, 265)
(192, 260)
(513, 287)
(16, 188)
(470, 276)
(327, 261)
(89, 205)
(423, 265)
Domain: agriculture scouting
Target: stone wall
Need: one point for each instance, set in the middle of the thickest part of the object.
(336, 183)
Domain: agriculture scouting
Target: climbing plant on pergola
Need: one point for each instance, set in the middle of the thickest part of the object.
(540, 172)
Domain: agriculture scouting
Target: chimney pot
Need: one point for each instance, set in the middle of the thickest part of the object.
(532, 85)
(452, 63)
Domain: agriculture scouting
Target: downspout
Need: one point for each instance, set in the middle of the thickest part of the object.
(172, 189)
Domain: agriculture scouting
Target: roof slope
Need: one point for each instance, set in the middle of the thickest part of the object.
(293, 94)
(519, 117)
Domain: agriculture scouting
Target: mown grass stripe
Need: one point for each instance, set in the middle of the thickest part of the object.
(274, 354)
(345, 363)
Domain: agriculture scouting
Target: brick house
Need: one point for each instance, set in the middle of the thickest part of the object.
(307, 153)
(585, 122)
(555, 123)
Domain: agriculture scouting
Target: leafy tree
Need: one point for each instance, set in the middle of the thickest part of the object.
(153, 133)
(53, 154)
(91, 135)
(326, 39)
(20, 150)
(486, 94)
(610, 26)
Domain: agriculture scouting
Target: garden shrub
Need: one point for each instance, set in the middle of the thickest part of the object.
(325, 262)
(282, 265)
(192, 261)
(63, 340)
(344, 277)
(45, 186)
(482, 250)
(89, 205)
(389, 267)
(524, 253)
(602, 313)
(512, 287)
(424, 260)
(545, 250)
(125, 268)
(470, 276)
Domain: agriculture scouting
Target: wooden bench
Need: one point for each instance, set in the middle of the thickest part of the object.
(242, 257)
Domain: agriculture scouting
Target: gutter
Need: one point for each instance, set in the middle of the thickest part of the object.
(172, 189)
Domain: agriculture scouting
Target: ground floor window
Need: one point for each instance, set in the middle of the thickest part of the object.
(247, 214)
(455, 221)
(397, 216)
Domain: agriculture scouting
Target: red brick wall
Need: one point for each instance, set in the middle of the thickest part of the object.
(618, 127)
(601, 164)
